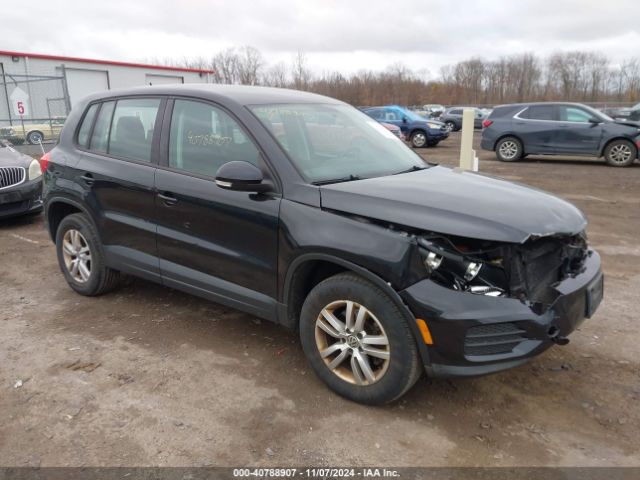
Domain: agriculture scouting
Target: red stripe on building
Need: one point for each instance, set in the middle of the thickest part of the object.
(103, 62)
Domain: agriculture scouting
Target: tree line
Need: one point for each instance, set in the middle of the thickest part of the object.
(578, 76)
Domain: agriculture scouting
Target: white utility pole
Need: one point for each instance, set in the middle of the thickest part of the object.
(468, 159)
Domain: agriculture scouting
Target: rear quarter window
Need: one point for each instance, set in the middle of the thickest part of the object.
(85, 127)
(100, 137)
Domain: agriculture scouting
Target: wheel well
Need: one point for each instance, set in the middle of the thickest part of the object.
(604, 147)
(495, 144)
(56, 212)
(304, 278)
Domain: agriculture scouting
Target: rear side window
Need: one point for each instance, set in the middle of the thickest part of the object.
(539, 112)
(455, 111)
(100, 137)
(204, 137)
(132, 128)
(85, 128)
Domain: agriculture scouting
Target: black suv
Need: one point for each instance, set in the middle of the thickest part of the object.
(517, 130)
(300, 209)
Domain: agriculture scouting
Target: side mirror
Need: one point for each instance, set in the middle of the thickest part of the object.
(595, 121)
(241, 177)
(404, 120)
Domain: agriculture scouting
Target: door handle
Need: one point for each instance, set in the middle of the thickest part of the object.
(167, 198)
(88, 178)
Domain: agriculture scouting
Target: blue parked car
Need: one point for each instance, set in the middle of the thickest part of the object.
(420, 131)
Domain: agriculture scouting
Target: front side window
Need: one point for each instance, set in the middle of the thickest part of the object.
(345, 144)
(132, 128)
(100, 136)
(574, 114)
(85, 128)
(539, 112)
(204, 137)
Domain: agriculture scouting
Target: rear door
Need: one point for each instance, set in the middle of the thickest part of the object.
(116, 172)
(212, 242)
(536, 126)
(576, 134)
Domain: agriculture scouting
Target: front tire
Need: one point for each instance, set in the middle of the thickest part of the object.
(620, 153)
(509, 149)
(419, 139)
(81, 257)
(357, 340)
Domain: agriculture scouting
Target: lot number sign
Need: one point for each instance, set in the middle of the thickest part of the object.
(19, 99)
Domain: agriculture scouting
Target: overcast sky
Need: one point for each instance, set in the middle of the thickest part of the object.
(346, 35)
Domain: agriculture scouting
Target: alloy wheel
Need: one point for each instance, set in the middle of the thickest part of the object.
(419, 139)
(352, 342)
(620, 153)
(508, 149)
(77, 255)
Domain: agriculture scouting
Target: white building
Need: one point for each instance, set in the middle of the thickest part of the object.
(52, 84)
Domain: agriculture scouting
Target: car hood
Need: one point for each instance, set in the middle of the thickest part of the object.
(13, 158)
(456, 202)
(627, 123)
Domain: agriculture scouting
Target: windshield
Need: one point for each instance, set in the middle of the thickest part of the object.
(413, 116)
(332, 143)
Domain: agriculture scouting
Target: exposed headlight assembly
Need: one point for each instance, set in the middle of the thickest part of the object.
(459, 272)
(34, 170)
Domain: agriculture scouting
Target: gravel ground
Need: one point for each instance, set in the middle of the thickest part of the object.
(151, 376)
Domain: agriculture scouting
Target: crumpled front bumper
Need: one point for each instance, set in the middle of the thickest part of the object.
(478, 334)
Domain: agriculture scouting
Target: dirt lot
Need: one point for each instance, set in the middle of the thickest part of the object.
(150, 376)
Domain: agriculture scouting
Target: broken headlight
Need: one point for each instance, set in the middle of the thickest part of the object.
(477, 272)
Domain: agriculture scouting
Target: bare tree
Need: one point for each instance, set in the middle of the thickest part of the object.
(276, 76)
(249, 63)
(300, 71)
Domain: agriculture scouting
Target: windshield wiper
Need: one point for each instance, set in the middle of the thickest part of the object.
(414, 168)
(350, 178)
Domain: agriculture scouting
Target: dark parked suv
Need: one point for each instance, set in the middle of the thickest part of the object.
(515, 131)
(420, 131)
(299, 209)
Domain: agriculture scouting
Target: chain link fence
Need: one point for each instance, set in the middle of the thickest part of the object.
(33, 105)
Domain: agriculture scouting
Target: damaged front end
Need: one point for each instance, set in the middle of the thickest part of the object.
(491, 305)
(527, 271)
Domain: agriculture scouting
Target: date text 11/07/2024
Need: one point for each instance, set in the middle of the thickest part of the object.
(327, 473)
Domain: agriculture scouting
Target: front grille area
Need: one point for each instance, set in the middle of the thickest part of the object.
(540, 264)
(494, 339)
(10, 176)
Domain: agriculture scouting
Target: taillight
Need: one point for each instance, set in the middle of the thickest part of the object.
(44, 161)
(487, 123)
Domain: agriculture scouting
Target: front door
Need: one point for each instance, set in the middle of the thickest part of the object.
(576, 134)
(216, 243)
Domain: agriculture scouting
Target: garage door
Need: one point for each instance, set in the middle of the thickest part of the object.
(163, 79)
(85, 82)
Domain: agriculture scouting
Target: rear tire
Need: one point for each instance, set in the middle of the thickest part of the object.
(620, 153)
(451, 126)
(81, 257)
(35, 137)
(509, 149)
(373, 360)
